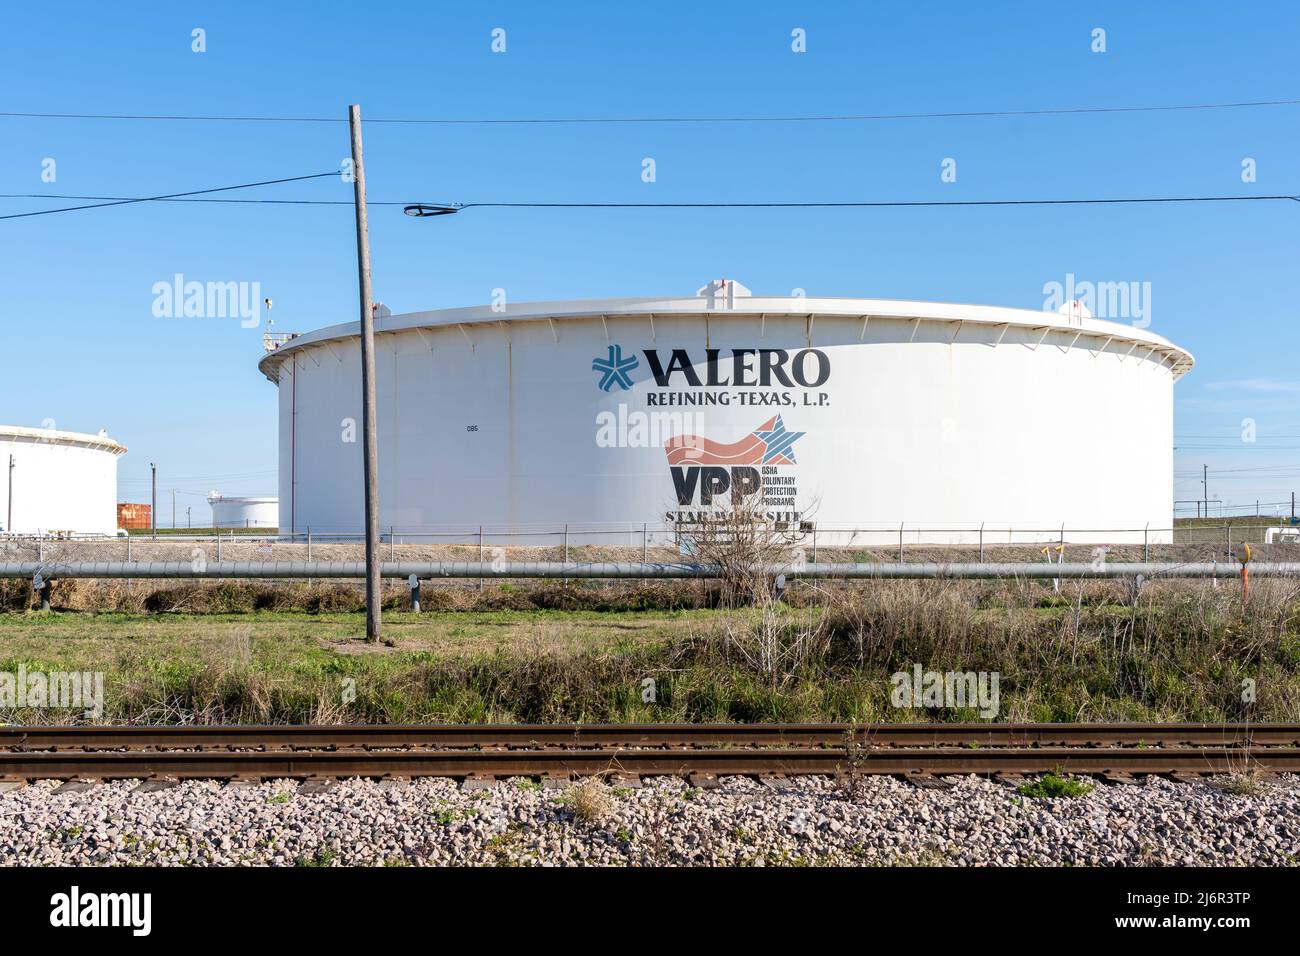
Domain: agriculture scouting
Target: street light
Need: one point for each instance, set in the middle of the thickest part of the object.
(423, 210)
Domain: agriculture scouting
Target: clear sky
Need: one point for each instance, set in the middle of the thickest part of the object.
(84, 348)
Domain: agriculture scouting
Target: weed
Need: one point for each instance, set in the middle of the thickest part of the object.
(588, 801)
(1051, 785)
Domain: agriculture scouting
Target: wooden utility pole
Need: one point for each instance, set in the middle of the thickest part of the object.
(370, 451)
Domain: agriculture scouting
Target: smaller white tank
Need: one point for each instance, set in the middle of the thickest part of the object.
(245, 512)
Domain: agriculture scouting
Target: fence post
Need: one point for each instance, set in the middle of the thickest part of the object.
(40, 546)
(391, 544)
(814, 534)
(1228, 529)
(900, 542)
(1146, 542)
(308, 542)
(981, 542)
(480, 557)
(218, 546)
(128, 547)
(645, 541)
(566, 547)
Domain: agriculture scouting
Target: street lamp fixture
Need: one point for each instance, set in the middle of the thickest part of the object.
(422, 210)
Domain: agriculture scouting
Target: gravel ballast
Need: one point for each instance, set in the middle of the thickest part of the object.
(813, 821)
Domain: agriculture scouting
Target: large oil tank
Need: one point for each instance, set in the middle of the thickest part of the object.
(244, 512)
(57, 482)
(856, 416)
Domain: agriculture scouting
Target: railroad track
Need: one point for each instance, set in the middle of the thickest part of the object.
(451, 736)
(1119, 752)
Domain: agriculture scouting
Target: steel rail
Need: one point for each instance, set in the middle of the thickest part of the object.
(52, 570)
(574, 736)
(1125, 761)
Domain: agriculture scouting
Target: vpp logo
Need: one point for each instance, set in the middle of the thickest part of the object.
(614, 369)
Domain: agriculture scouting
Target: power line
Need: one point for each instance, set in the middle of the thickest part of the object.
(230, 477)
(273, 202)
(175, 197)
(890, 203)
(607, 120)
(195, 192)
(1264, 471)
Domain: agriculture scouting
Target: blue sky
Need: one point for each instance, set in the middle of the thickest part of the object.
(86, 351)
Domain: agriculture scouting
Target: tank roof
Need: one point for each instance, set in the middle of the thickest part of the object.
(52, 436)
(722, 300)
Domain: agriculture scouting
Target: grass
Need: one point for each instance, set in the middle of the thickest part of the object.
(241, 597)
(1242, 783)
(1179, 651)
(1053, 786)
(589, 801)
(322, 857)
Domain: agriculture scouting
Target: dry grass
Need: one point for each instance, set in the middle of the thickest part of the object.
(589, 801)
(234, 597)
(1249, 783)
(1175, 651)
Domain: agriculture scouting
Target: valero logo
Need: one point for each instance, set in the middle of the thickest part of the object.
(614, 369)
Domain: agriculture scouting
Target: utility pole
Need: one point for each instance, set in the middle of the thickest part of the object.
(153, 507)
(370, 452)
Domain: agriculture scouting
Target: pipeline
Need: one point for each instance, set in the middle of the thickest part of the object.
(49, 570)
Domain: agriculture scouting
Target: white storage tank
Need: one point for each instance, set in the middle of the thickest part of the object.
(57, 482)
(843, 413)
(246, 512)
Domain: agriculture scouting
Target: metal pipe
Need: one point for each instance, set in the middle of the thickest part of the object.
(609, 569)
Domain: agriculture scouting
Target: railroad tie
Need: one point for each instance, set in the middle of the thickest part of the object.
(1119, 779)
(927, 781)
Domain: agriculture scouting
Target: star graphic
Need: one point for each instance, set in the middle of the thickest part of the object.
(779, 442)
(614, 370)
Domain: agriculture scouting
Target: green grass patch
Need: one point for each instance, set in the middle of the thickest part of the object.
(1053, 786)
